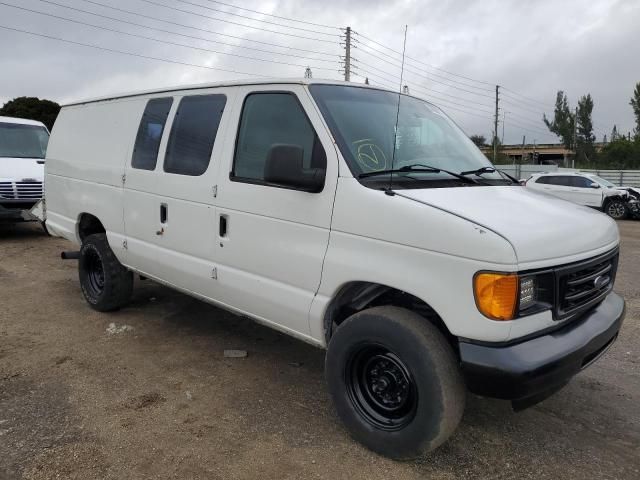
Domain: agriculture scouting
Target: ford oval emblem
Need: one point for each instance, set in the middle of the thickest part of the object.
(601, 281)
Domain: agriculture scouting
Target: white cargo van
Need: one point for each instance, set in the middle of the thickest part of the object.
(353, 218)
(23, 145)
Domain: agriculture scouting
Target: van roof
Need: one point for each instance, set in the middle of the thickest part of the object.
(228, 83)
(20, 121)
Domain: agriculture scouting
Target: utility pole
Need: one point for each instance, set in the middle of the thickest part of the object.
(575, 139)
(347, 55)
(504, 114)
(495, 128)
(522, 154)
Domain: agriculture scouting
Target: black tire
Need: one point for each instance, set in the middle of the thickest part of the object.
(106, 284)
(370, 359)
(616, 209)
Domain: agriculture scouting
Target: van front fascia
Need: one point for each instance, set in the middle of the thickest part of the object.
(529, 371)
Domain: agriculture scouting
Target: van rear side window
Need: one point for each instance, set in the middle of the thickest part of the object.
(193, 134)
(145, 151)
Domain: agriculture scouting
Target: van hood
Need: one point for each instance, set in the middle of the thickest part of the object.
(538, 226)
(19, 169)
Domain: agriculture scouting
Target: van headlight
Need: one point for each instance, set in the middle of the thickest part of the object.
(527, 292)
(506, 296)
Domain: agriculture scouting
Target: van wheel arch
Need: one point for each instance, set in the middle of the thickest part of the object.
(356, 296)
(89, 224)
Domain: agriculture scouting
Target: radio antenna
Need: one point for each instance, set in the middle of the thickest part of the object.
(395, 130)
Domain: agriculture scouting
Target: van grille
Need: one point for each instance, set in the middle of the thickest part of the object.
(6, 190)
(582, 285)
(21, 190)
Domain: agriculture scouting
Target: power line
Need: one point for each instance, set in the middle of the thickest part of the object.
(163, 41)
(509, 101)
(447, 103)
(368, 47)
(272, 15)
(148, 17)
(244, 16)
(427, 78)
(426, 64)
(210, 18)
(50, 37)
(528, 98)
(523, 98)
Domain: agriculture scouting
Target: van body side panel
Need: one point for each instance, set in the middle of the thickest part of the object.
(180, 249)
(85, 164)
(414, 248)
(270, 258)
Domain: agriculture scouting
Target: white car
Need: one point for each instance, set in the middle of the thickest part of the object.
(332, 213)
(23, 146)
(584, 189)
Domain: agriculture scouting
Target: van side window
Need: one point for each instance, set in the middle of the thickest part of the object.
(145, 150)
(270, 119)
(193, 134)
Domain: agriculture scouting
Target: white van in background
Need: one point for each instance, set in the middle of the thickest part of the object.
(23, 146)
(353, 218)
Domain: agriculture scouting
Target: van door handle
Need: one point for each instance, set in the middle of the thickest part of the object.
(164, 213)
(223, 226)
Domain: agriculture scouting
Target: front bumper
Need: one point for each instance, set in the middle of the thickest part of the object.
(12, 211)
(529, 371)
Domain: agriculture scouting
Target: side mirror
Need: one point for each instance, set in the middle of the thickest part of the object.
(284, 167)
(594, 185)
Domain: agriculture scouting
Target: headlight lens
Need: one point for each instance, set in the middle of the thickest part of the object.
(496, 294)
(527, 292)
(505, 296)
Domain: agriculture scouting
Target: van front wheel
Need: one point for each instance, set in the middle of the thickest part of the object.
(106, 284)
(394, 381)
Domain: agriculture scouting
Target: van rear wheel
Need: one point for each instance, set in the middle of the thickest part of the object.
(106, 284)
(395, 382)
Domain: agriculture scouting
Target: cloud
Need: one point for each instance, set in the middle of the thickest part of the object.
(533, 48)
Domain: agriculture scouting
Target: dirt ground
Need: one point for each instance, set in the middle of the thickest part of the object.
(147, 393)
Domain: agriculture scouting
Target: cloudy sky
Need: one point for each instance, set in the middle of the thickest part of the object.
(457, 51)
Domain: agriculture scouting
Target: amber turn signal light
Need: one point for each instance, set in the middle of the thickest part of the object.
(496, 294)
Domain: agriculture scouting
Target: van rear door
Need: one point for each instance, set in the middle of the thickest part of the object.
(169, 194)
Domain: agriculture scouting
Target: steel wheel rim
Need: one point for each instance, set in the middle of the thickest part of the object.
(381, 387)
(95, 272)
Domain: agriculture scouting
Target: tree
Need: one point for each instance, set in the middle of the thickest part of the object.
(614, 134)
(635, 104)
(604, 138)
(479, 140)
(563, 120)
(585, 137)
(32, 108)
(620, 154)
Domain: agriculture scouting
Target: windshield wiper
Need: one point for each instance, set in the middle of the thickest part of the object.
(480, 171)
(418, 167)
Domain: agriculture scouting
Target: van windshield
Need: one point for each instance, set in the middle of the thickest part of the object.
(363, 123)
(23, 141)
